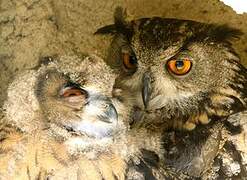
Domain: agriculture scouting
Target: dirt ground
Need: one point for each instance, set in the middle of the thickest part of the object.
(32, 29)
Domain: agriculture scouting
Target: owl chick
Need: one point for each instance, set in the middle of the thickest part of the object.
(58, 119)
(62, 122)
(181, 72)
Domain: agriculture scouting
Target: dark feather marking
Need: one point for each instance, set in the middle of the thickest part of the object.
(239, 83)
(115, 176)
(2, 139)
(236, 86)
(146, 171)
(232, 128)
(39, 176)
(150, 157)
(237, 106)
(142, 168)
(28, 173)
(242, 71)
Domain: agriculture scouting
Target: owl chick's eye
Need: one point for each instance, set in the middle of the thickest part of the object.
(129, 61)
(179, 66)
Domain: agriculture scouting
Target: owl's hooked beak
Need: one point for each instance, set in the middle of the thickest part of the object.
(106, 111)
(99, 117)
(146, 88)
(110, 114)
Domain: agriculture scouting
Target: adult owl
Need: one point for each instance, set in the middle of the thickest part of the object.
(64, 120)
(181, 72)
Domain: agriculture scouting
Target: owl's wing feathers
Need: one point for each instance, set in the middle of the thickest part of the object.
(151, 167)
(232, 98)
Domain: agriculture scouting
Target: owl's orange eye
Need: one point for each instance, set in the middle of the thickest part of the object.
(129, 61)
(179, 66)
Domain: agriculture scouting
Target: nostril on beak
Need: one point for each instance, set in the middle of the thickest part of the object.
(110, 115)
(146, 89)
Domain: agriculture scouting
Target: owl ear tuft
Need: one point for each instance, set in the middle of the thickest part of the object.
(120, 26)
(119, 23)
(120, 17)
(110, 29)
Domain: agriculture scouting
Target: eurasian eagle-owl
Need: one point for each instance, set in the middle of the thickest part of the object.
(63, 121)
(180, 72)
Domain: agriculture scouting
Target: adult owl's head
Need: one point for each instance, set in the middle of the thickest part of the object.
(186, 68)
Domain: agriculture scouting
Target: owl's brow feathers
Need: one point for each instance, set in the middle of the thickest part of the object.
(195, 31)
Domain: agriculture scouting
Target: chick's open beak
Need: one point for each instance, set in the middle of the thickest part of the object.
(103, 108)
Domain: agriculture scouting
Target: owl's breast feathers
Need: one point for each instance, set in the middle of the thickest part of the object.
(37, 156)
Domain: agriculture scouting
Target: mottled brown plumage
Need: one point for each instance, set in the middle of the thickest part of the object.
(214, 88)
